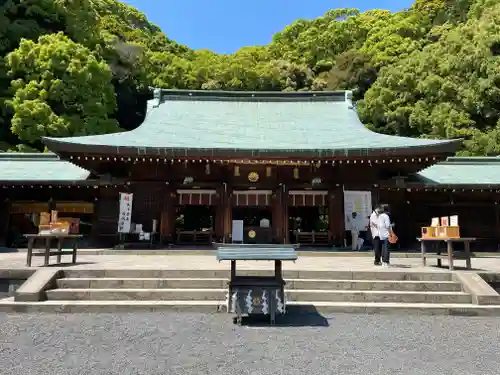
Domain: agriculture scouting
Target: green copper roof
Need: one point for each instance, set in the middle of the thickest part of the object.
(215, 123)
(17, 167)
(463, 171)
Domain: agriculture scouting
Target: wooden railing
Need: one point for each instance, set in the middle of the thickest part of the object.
(194, 237)
(313, 238)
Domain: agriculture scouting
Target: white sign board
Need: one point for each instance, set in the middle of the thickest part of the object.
(237, 231)
(359, 202)
(125, 215)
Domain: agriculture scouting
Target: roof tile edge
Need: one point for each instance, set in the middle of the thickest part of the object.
(276, 96)
(32, 156)
(460, 160)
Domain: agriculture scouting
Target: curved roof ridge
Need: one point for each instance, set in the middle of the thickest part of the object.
(214, 124)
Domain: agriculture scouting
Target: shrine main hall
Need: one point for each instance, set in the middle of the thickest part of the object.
(257, 167)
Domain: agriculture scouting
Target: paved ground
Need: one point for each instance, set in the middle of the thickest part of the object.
(185, 344)
(18, 260)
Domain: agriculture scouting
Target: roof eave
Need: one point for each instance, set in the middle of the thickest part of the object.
(61, 146)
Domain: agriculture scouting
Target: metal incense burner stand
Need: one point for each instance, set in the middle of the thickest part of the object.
(249, 295)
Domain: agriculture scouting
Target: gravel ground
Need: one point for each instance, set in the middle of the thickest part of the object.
(170, 343)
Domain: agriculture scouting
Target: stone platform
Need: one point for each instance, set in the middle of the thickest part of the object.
(112, 283)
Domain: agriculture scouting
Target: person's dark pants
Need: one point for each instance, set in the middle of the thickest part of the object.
(385, 251)
(377, 248)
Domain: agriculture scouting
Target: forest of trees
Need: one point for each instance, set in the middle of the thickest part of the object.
(81, 67)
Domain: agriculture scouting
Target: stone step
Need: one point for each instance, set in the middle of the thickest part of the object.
(8, 305)
(292, 295)
(380, 285)
(214, 283)
(141, 283)
(377, 296)
(137, 294)
(377, 274)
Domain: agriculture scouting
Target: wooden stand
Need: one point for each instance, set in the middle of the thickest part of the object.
(432, 245)
(263, 295)
(48, 252)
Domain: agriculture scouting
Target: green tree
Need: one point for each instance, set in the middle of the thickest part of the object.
(449, 89)
(60, 89)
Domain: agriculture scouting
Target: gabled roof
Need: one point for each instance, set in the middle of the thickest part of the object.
(32, 167)
(211, 124)
(484, 171)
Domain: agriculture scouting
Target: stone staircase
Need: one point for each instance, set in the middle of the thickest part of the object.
(202, 286)
(381, 291)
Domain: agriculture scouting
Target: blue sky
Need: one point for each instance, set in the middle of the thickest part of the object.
(224, 26)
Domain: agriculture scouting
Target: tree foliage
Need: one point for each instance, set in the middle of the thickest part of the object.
(74, 67)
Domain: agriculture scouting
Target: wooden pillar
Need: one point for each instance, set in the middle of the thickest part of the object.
(497, 222)
(94, 231)
(336, 216)
(106, 211)
(167, 220)
(228, 215)
(284, 214)
(276, 215)
(220, 213)
(4, 221)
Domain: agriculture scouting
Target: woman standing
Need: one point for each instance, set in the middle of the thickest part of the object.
(384, 230)
(375, 235)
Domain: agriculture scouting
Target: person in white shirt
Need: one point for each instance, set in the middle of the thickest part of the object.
(356, 226)
(377, 246)
(384, 229)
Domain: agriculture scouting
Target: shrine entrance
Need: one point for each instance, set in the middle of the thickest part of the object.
(253, 208)
(195, 217)
(308, 219)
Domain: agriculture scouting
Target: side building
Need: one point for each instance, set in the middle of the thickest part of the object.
(284, 167)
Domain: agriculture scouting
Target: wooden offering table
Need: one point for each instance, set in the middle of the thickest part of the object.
(256, 294)
(433, 245)
(60, 237)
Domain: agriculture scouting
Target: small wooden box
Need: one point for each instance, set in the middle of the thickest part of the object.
(61, 227)
(429, 232)
(44, 228)
(74, 224)
(44, 218)
(449, 232)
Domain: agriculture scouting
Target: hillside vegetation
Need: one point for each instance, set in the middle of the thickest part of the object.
(81, 67)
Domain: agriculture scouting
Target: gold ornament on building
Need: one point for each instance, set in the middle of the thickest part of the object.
(237, 171)
(207, 169)
(296, 173)
(253, 177)
(251, 234)
(268, 171)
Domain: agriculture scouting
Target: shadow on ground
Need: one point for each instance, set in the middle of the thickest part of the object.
(296, 316)
(4, 249)
(69, 264)
(395, 265)
(455, 267)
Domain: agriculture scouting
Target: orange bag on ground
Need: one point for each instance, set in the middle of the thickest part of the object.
(392, 237)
